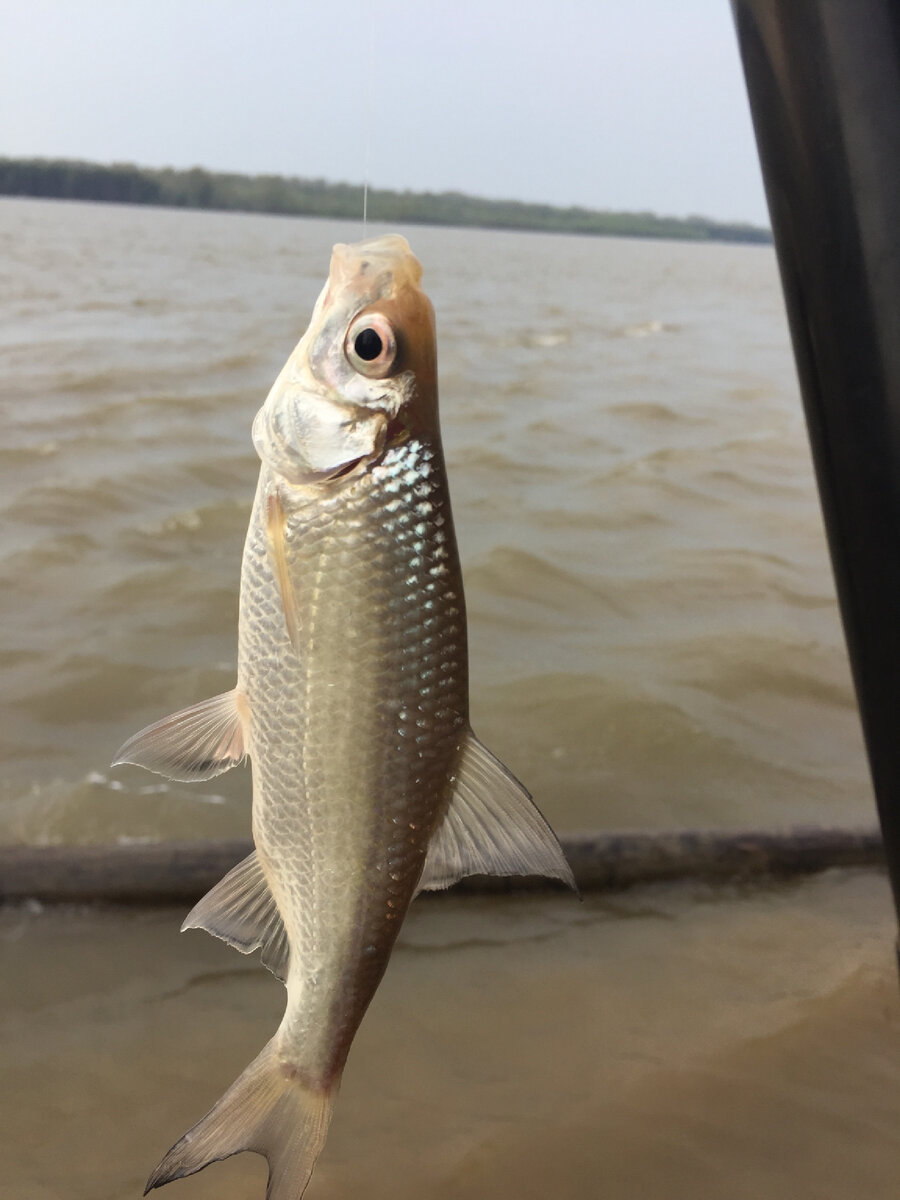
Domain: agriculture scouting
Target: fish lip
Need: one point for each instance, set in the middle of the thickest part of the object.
(349, 468)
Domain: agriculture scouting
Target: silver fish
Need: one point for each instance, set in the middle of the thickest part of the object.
(352, 703)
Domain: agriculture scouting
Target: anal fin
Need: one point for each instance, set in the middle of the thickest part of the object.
(491, 827)
(241, 910)
(199, 742)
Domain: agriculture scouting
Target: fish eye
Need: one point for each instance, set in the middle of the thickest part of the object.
(370, 345)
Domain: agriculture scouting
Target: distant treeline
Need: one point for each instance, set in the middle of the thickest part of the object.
(123, 183)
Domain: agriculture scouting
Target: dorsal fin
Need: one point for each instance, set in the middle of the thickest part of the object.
(241, 910)
(492, 827)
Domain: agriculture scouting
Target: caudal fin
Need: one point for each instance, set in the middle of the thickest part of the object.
(265, 1110)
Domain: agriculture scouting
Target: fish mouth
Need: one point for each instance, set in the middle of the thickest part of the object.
(347, 469)
(395, 434)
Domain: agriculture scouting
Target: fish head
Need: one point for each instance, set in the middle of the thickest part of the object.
(362, 377)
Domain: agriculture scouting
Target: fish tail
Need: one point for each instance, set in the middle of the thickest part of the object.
(268, 1110)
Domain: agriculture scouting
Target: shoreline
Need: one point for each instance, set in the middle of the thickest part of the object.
(276, 195)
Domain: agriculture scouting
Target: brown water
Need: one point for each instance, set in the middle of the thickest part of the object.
(655, 643)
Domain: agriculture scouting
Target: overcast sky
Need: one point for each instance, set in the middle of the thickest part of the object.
(623, 104)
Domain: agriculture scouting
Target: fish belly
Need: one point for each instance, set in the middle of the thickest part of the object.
(355, 728)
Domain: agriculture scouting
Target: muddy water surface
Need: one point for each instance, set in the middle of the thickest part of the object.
(655, 643)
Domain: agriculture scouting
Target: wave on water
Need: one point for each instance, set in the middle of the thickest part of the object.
(654, 643)
(652, 618)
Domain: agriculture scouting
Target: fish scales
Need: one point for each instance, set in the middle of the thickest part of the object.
(353, 774)
(351, 702)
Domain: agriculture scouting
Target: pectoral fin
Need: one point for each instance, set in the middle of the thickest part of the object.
(241, 910)
(275, 527)
(492, 827)
(199, 742)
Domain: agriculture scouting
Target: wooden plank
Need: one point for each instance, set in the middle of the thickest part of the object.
(180, 872)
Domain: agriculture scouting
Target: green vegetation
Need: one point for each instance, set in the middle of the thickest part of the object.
(123, 183)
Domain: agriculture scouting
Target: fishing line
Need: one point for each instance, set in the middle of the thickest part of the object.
(368, 124)
(366, 188)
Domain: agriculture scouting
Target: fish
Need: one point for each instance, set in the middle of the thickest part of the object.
(351, 703)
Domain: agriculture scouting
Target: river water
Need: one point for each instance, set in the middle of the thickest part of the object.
(654, 640)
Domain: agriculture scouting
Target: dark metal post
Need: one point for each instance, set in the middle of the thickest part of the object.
(824, 83)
